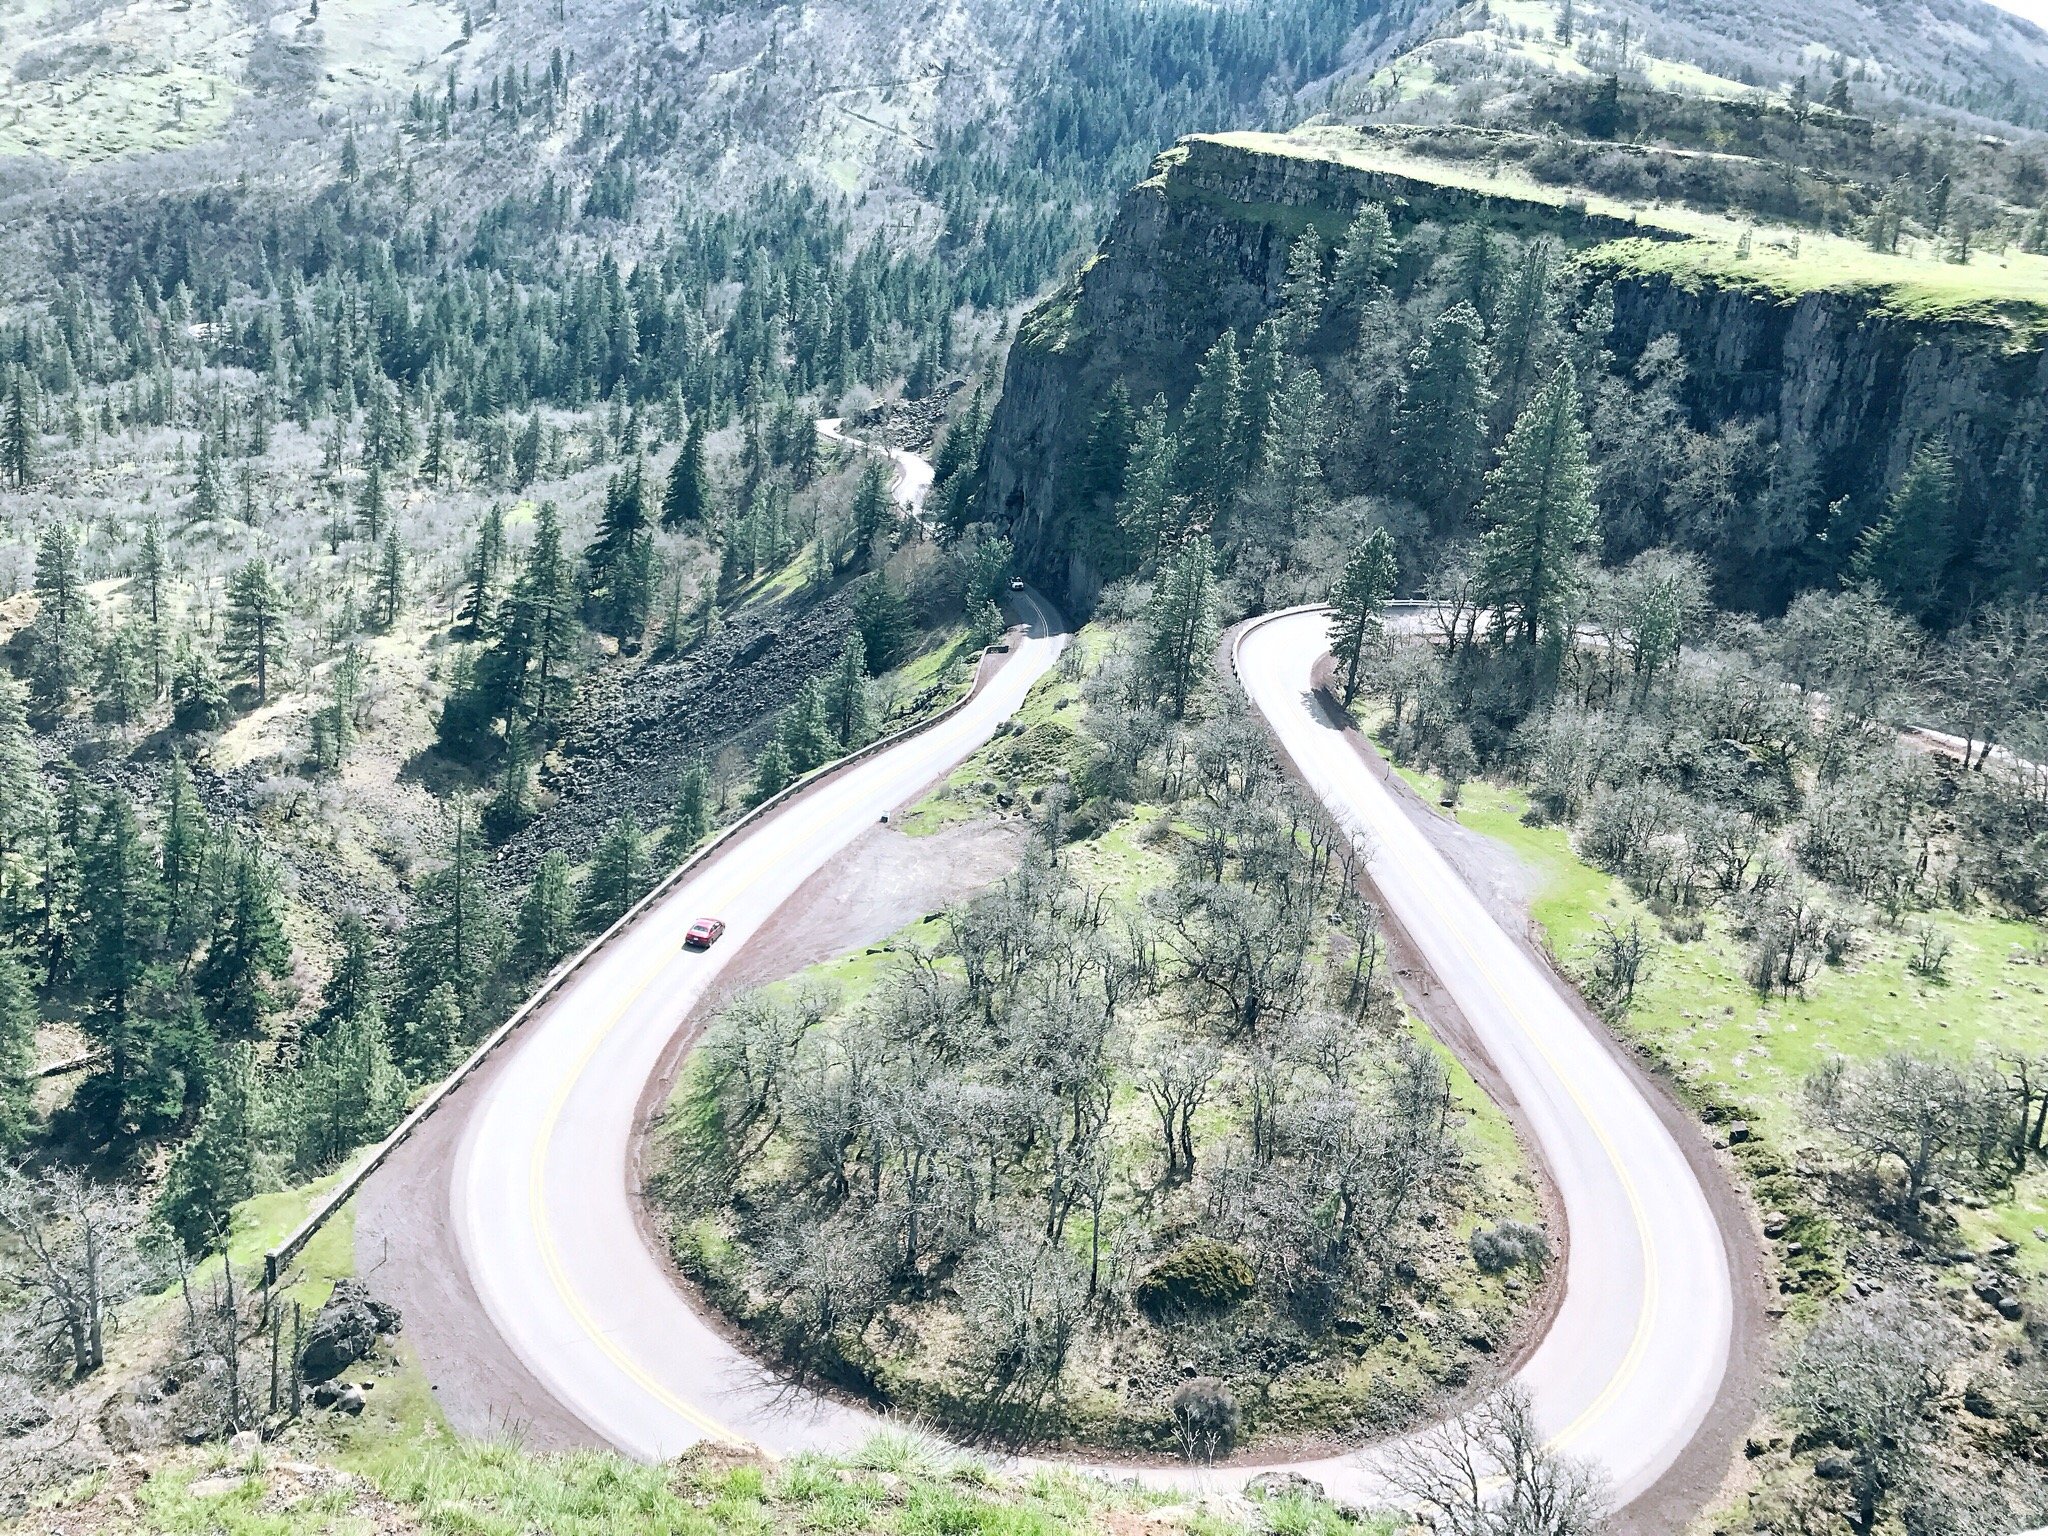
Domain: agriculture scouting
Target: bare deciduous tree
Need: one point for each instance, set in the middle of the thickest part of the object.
(73, 1254)
(1488, 1472)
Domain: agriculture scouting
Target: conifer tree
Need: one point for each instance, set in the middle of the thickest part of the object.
(883, 619)
(1211, 435)
(437, 463)
(1539, 516)
(620, 870)
(1526, 337)
(433, 1032)
(485, 561)
(19, 1017)
(453, 940)
(371, 505)
(621, 559)
(1908, 551)
(151, 576)
(686, 502)
(122, 690)
(544, 928)
(390, 590)
(62, 635)
(19, 436)
(1180, 623)
(24, 801)
(120, 898)
(353, 992)
(771, 769)
(348, 1091)
(512, 806)
(1362, 592)
(209, 494)
(874, 513)
(690, 822)
(806, 735)
(1364, 259)
(1150, 513)
(248, 959)
(254, 639)
(1441, 426)
(223, 1163)
(1305, 291)
(849, 712)
(184, 847)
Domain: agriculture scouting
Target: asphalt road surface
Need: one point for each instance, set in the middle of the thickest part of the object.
(1626, 1374)
(1635, 1356)
(546, 1220)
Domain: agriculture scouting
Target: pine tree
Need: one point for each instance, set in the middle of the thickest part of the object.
(883, 619)
(62, 635)
(353, 992)
(690, 822)
(1150, 515)
(19, 436)
(526, 453)
(848, 710)
(771, 770)
(390, 592)
(1364, 259)
(1304, 292)
(1211, 436)
(151, 575)
(512, 806)
(239, 982)
(485, 561)
(545, 926)
(351, 161)
(1180, 623)
(371, 505)
(1539, 516)
(433, 1032)
(437, 464)
(1362, 591)
(254, 637)
(223, 1164)
(453, 939)
(1440, 430)
(24, 800)
(348, 1092)
(209, 495)
(805, 734)
(620, 560)
(184, 848)
(122, 690)
(620, 870)
(19, 1018)
(1908, 551)
(687, 500)
(874, 512)
(198, 701)
(120, 899)
(1527, 334)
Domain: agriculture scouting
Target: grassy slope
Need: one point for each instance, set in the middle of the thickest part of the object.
(2009, 290)
(1752, 1055)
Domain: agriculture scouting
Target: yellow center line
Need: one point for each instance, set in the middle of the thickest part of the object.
(1639, 1343)
(551, 1258)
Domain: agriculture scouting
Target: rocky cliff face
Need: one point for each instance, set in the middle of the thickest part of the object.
(1845, 383)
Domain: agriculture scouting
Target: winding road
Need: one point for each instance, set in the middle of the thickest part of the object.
(552, 1241)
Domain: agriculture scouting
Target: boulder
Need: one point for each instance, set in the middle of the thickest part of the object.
(344, 1331)
(1282, 1485)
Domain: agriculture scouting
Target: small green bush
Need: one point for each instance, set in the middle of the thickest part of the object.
(1202, 1276)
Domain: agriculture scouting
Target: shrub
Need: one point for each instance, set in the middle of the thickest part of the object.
(1511, 1245)
(1202, 1276)
(1207, 1418)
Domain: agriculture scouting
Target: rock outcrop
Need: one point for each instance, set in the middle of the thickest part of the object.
(1846, 381)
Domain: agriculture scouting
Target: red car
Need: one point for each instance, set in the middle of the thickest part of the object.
(704, 933)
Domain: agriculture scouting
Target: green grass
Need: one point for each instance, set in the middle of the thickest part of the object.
(2008, 293)
(1750, 1056)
